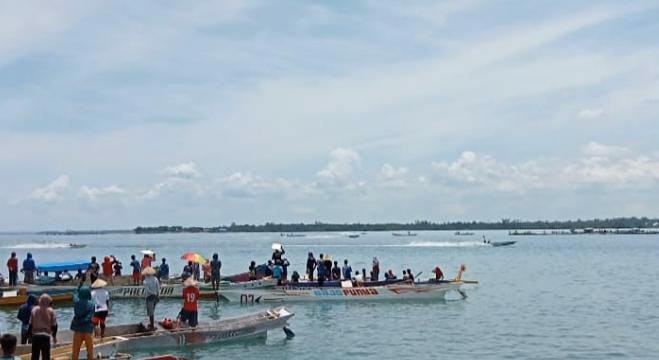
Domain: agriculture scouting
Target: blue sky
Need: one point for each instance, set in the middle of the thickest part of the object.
(117, 114)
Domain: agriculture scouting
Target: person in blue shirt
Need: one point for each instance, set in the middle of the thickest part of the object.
(347, 270)
(29, 267)
(24, 315)
(276, 273)
(322, 270)
(163, 273)
(137, 269)
(216, 265)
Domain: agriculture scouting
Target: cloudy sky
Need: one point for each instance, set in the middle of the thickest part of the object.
(120, 113)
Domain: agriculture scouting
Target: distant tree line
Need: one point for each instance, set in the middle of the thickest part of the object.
(503, 224)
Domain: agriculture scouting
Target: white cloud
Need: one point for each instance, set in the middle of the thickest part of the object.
(390, 175)
(95, 193)
(486, 172)
(590, 114)
(52, 192)
(183, 171)
(338, 171)
(612, 165)
(241, 185)
(594, 149)
(173, 186)
(598, 164)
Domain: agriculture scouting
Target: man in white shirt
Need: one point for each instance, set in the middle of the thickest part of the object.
(101, 297)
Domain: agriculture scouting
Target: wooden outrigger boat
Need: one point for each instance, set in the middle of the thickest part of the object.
(427, 290)
(134, 337)
(65, 293)
(176, 290)
(18, 298)
(347, 291)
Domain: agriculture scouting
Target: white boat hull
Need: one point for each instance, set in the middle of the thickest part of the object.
(230, 330)
(134, 337)
(166, 290)
(401, 291)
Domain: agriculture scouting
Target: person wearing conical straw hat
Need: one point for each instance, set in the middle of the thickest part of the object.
(152, 292)
(101, 297)
(188, 313)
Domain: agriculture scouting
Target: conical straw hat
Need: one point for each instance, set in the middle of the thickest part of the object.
(189, 282)
(149, 271)
(99, 283)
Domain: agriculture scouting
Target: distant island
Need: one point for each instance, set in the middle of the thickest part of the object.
(503, 224)
(515, 227)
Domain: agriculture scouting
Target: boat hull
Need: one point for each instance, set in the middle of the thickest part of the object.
(418, 291)
(137, 292)
(503, 243)
(19, 300)
(132, 337)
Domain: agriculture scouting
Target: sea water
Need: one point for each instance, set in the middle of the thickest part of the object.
(546, 297)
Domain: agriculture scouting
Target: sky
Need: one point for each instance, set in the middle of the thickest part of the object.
(115, 114)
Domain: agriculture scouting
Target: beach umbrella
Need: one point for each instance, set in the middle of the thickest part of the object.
(194, 257)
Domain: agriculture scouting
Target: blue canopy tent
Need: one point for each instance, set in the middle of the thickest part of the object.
(58, 267)
(64, 266)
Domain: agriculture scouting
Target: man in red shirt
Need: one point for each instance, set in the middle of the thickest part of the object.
(146, 261)
(12, 266)
(107, 269)
(439, 275)
(190, 297)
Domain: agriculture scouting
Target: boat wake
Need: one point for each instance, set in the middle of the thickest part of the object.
(412, 244)
(36, 246)
(447, 244)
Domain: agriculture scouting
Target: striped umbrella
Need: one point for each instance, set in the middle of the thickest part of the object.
(194, 257)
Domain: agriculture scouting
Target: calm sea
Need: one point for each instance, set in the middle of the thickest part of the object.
(547, 297)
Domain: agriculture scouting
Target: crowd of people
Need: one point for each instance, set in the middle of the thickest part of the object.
(325, 269)
(92, 302)
(28, 269)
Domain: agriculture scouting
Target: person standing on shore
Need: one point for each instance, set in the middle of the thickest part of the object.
(188, 270)
(163, 271)
(44, 326)
(12, 267)
(146, 261)
(190, 297)
(311, 266)
(81, 324)
(206, 268)
(29, 267)
(107, 269)
(117, 266)
(101, 297)
(136, 270)
(93, 270)
(152, 292)
(197, 271)
(24, 315)
(216, 265)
